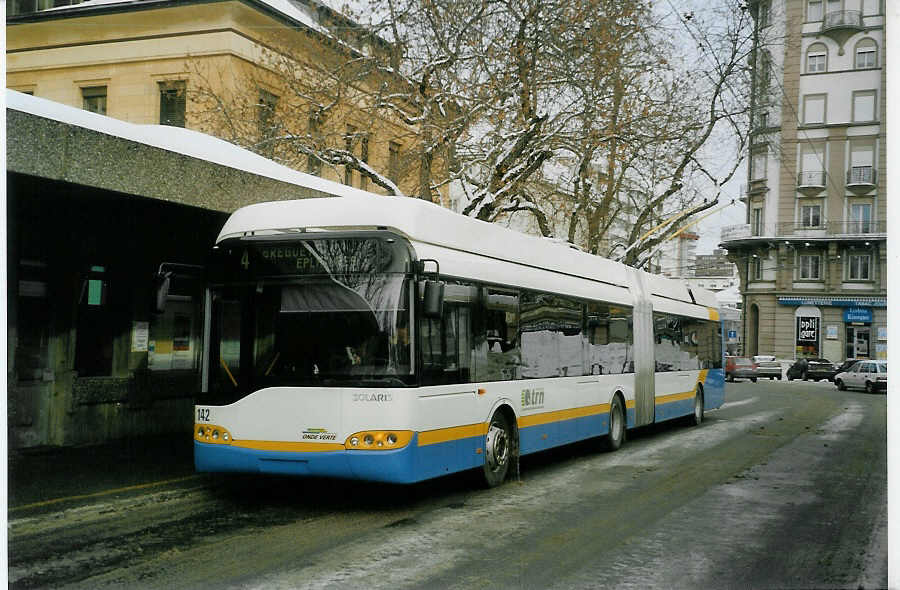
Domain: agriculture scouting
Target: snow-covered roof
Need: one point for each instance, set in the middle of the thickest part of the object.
(729, 296)
(285, 8)
(177, 140)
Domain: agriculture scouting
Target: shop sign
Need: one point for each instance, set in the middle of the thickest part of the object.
(831, 332)
(807, 330)
(857, 314)
(835, 301)
(732, 335)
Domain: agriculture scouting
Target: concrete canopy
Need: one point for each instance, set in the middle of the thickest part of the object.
(56, 142)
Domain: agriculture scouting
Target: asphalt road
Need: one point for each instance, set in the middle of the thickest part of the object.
(784, 487)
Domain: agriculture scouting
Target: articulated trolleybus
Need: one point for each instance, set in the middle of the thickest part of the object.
(389, 339)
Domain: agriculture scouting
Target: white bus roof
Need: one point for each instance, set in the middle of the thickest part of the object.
(459, 242)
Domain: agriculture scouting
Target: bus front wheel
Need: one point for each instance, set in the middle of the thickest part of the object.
(697, 416)
(498, 450)
(616, 424)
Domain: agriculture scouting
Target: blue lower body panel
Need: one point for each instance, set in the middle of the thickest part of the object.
(545, 436)
(714, 389)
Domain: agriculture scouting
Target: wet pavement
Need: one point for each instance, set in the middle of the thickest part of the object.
(45, 479)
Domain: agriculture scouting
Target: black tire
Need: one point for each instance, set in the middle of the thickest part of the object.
(696, 418)
(730, 377)
(790, 378)
(840, 384)
(498, 450)
(616, 435)
(870, 387)
(753, 379)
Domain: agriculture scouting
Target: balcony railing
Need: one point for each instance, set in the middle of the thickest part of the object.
(842, 19)
(864, 227)
(811, 179)
(825, 229)
(861, 175)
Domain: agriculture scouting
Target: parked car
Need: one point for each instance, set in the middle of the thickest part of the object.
(767, 366)
(844, 366)
(814, 369)
(739, 367)
(868, 375)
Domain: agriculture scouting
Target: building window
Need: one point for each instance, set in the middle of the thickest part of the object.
(265, 119)
(864, 106)
(348, 146)
(756, 221)
(94, 99)
(172, 101)
(866, 56)
(816, 59)
(757, 268)
(860, 218)
(862, 158)
(313, 162)
(394, 161)
(758, 166)
(810, 215)
(813, 109)
(763, 14)
(763, 76)
(364, 157)
(858, 266)
(809, 266)
(814, 11)
(812, 165)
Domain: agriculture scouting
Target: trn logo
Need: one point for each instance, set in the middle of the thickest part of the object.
(532, 398)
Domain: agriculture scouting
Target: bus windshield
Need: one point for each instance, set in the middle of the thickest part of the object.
(331, 312)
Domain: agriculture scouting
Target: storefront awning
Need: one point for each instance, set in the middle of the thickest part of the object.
(835, 301)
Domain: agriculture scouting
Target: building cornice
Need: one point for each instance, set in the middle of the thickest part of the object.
(847, 71)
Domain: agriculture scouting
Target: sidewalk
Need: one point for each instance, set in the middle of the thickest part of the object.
(49, 478)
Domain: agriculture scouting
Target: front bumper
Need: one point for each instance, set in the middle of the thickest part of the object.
(744, 374)
(409, 464)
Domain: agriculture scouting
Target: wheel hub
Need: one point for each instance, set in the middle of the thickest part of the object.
(496, 447)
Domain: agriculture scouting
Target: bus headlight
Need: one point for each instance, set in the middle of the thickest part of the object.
(378, 440)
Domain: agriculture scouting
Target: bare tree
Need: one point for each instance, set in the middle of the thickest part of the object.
(490, 93)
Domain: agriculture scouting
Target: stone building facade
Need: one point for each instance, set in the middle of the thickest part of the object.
(812, 255)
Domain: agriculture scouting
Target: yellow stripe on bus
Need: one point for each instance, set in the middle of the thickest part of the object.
(561, 415)
(677, 397)
(674, 397)
(430, 437)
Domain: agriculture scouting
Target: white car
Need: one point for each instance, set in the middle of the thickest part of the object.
(766, 366)
(868, 375)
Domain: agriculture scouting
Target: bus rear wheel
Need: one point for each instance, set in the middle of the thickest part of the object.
(616, 425)
(498, 450)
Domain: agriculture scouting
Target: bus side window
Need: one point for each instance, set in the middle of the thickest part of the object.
(610, 338)
(495, 342)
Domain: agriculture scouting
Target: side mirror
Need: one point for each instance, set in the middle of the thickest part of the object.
(161, 284)
(433, 299)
